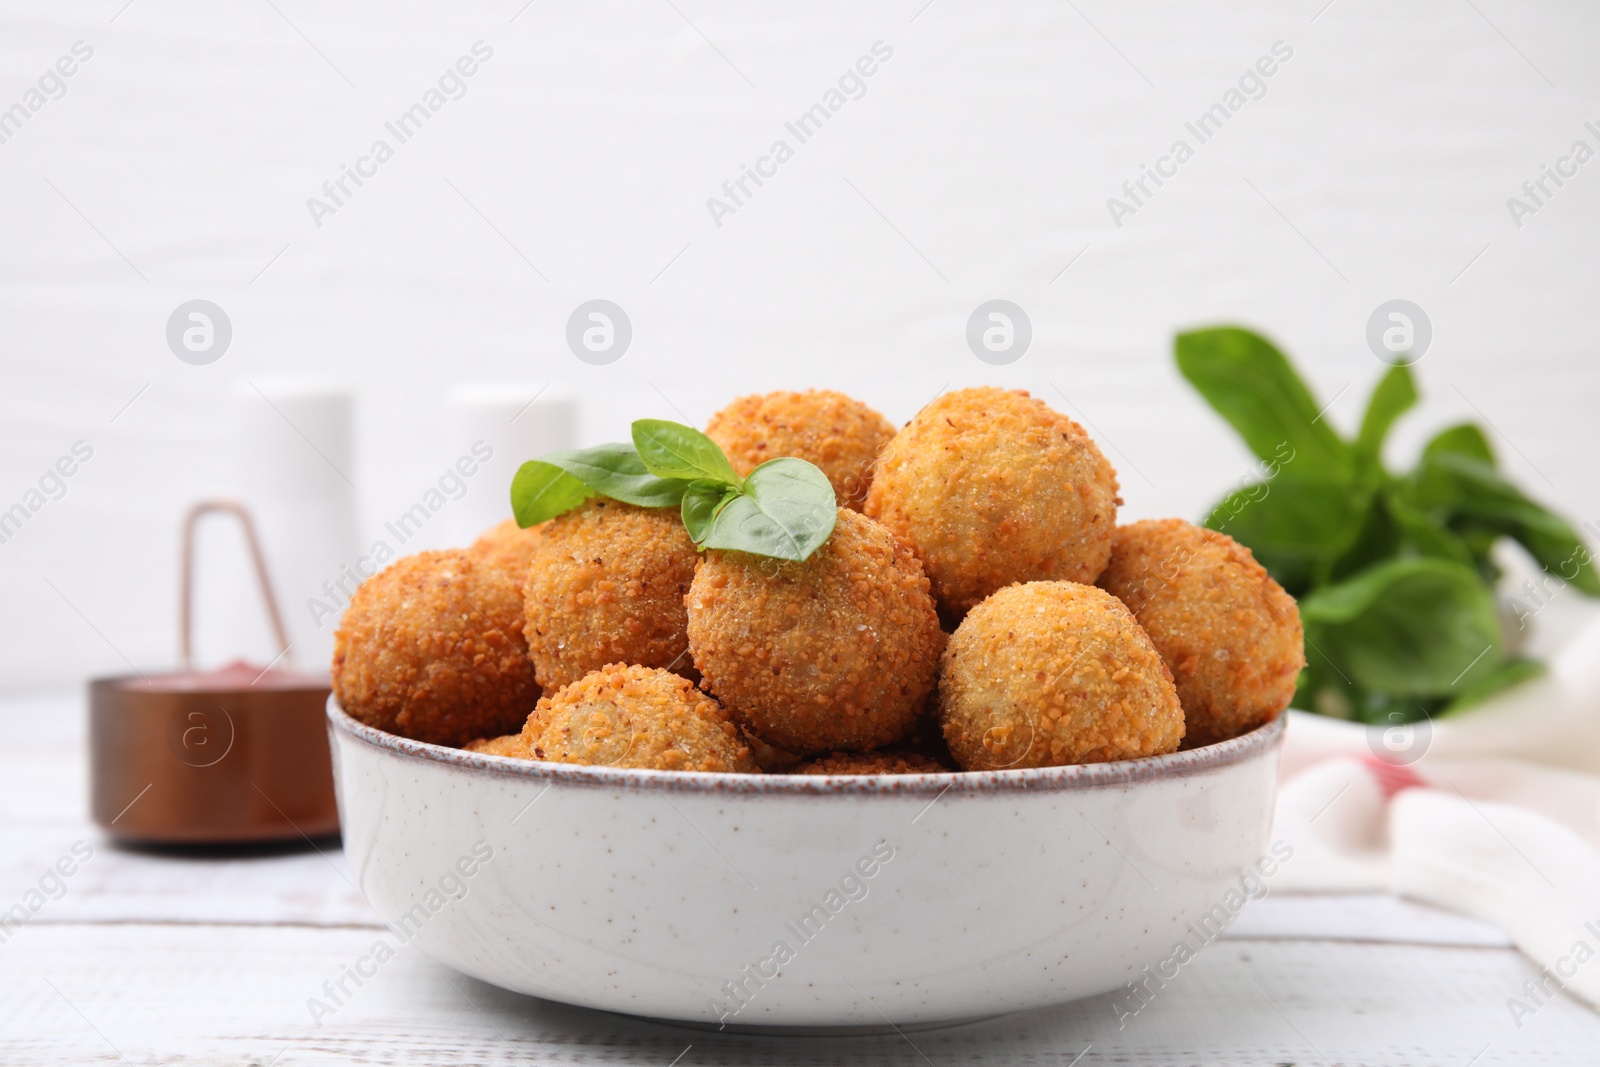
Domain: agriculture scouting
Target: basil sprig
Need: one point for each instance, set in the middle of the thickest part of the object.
(1393, 572)
(784, 509)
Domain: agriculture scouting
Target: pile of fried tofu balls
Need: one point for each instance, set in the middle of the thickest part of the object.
(976, 608)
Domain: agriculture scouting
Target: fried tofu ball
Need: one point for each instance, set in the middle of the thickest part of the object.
(622, 716)
(837, 652)
(509, 546)
(841, 436)
(606, 585)
(431, 648)
(508, 745)
(990, 487)
(1230, 635)
(1051, 673)
(889, 762)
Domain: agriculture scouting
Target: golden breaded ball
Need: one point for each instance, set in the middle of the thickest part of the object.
(431, 648)
(990, 487)
(890, 762)
(606, 585)
(1051, 673)
(841, 436)
(837, 652)
(1230, 635)
(509, 546)
(507, 745)
(621, 716)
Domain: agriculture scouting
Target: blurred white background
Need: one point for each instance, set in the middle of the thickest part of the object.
(177, 162)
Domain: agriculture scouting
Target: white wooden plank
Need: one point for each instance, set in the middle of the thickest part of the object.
(44, 812)
(1360, 917)
(304, 885)
(95, 994)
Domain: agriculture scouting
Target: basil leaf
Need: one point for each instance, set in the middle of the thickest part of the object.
(1407, 628)
(702, 502)
(1252, 385)
(1464, 488)
(616, 471)
(1510, 673)
(671, 450)
(1296, 527)
(1464, 439)
(1324, 690)
(1425, 535)
(1379, 539)
(1396, 393)
(786, 510)
(541, 491)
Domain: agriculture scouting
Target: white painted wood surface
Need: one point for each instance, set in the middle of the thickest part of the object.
(158, 958)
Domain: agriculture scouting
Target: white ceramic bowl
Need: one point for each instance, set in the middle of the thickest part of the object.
(802, 901)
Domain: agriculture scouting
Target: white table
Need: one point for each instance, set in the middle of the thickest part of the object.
(161, 958)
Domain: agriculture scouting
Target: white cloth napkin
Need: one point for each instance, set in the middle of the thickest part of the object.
(1493, 813)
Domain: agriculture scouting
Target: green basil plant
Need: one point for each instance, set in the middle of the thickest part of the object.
(1394, 572)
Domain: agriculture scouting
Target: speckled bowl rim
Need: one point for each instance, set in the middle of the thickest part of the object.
(1253, 745)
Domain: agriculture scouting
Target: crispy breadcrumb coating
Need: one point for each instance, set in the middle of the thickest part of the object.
(1230, 635)
(622, 716)
(990, 487)
(509, 546)
(837, 652)
(887, 762)
(606, 585)
(431, 648)
(507, 745)
(1052, 673)
(841, 436)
